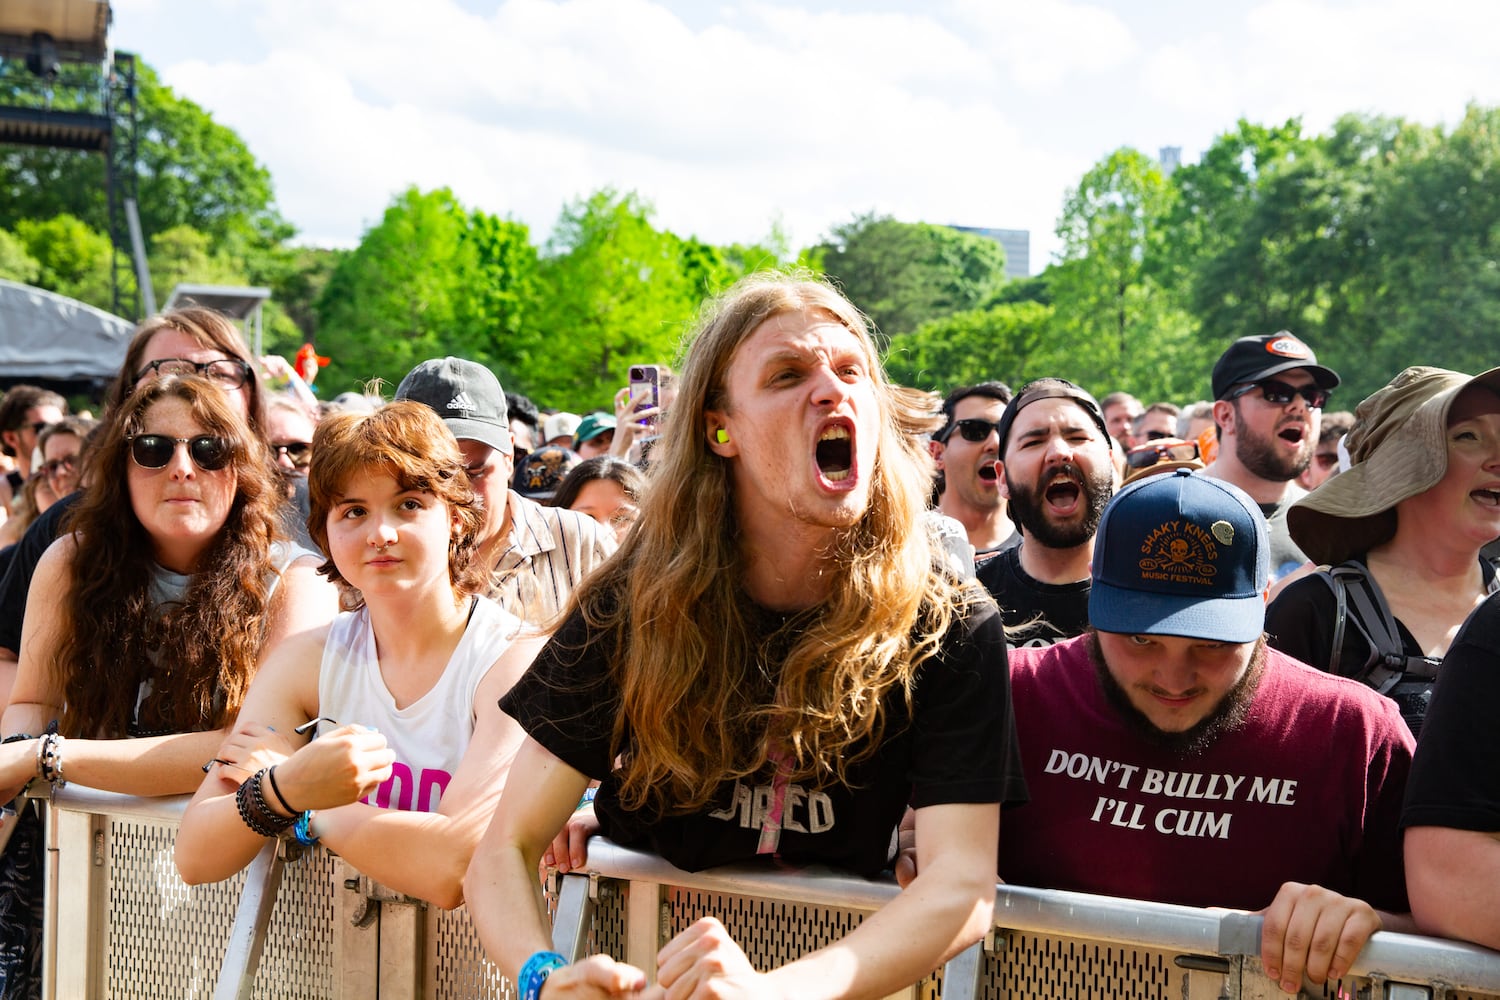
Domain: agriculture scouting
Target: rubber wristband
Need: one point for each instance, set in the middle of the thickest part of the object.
(302, 830)
(535, 972)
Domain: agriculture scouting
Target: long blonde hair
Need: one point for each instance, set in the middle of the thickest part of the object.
(696, 709)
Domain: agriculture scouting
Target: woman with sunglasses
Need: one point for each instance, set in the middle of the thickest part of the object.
(145, 623)
(380, 735)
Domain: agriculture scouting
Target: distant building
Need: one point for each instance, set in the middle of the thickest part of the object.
(1170, 159)
(1017, 244)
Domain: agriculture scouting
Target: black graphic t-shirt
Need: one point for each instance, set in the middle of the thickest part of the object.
(957, 745)
(1036, 613)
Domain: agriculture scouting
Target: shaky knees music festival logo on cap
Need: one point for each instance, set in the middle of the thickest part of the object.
(1180, 552)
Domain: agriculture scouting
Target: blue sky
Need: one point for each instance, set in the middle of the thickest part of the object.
(731, 117)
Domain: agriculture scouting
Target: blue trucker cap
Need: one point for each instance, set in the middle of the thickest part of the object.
(1181, 554)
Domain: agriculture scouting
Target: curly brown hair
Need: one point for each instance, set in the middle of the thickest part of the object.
(410, 442)
(200, 654)
(671, 601)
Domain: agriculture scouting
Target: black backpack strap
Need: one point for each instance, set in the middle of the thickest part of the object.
(1358, 598)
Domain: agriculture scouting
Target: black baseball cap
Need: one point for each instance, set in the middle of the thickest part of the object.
(1251, 359)
(466, 395)
(1049, 388)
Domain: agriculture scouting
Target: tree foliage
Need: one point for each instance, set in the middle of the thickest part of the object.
(420, 285)
(904, 274)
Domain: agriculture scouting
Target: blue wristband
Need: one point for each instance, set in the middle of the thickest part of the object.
(535, 972)
(302, 830)
(588, 797)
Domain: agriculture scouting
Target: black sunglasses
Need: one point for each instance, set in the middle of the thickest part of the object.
(227, 373)
(300, 452)
(52, 467)
(154, 451)
(971, 429)
(1146, 455)
(39, 426)
(1280, 393)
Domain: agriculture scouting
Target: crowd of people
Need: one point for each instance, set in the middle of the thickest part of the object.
(773, 606)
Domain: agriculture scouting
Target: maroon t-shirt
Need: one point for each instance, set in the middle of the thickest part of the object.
(1307, 789)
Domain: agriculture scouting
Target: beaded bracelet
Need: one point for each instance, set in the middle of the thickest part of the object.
(535, 972)
(302, 829)
(49, 760)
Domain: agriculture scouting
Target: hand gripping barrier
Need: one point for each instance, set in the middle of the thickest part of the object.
(121, 924)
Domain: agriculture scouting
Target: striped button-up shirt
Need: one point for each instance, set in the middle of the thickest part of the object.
(550, 551)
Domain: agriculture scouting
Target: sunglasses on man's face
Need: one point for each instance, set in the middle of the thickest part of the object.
(154, 451)
(1326, 459)
(39, 426)
(56, 465)
(1146, 455)
(971, 429)
(1280, 393)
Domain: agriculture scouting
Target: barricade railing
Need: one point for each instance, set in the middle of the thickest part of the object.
(121, 924)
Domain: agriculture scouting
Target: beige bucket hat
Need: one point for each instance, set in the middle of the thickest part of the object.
(1397, 449)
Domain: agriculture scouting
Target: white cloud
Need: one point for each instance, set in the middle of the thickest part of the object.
(1047, 43)
(725, 129)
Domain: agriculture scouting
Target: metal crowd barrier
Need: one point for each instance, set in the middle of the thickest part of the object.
(121, 924)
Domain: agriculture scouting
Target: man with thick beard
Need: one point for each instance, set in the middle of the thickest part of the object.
(1172, 756)
(1058, 475)
(1269, 393)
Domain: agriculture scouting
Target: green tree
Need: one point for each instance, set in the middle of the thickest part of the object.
(74, 259)
(903, 274)
(190, 169)
(1433, 290)
(431, 279)
(1010, 342)
(15, 263)
(1112, 307)
(615, 291)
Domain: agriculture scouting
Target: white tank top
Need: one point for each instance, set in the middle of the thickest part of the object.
(430, 735)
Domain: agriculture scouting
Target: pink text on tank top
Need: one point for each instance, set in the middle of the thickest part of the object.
(400, 787)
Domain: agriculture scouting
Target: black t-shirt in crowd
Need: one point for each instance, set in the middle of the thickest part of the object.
(957, 745)
(1300, 623)
(27, 553)
(1455, 777)
(1035, 613)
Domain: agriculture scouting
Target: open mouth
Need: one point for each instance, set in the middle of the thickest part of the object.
(987, 472)
(1291, 435)
(1063, 493)
(1490, 498)
(835, 453)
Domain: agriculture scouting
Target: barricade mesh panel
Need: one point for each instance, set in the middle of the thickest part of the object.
(607, 934)
(771, 933)
(1032, 967)
(298, 959)
(163, 938)
(458, 960)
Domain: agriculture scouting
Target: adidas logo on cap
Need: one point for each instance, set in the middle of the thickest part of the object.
(461, 402)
